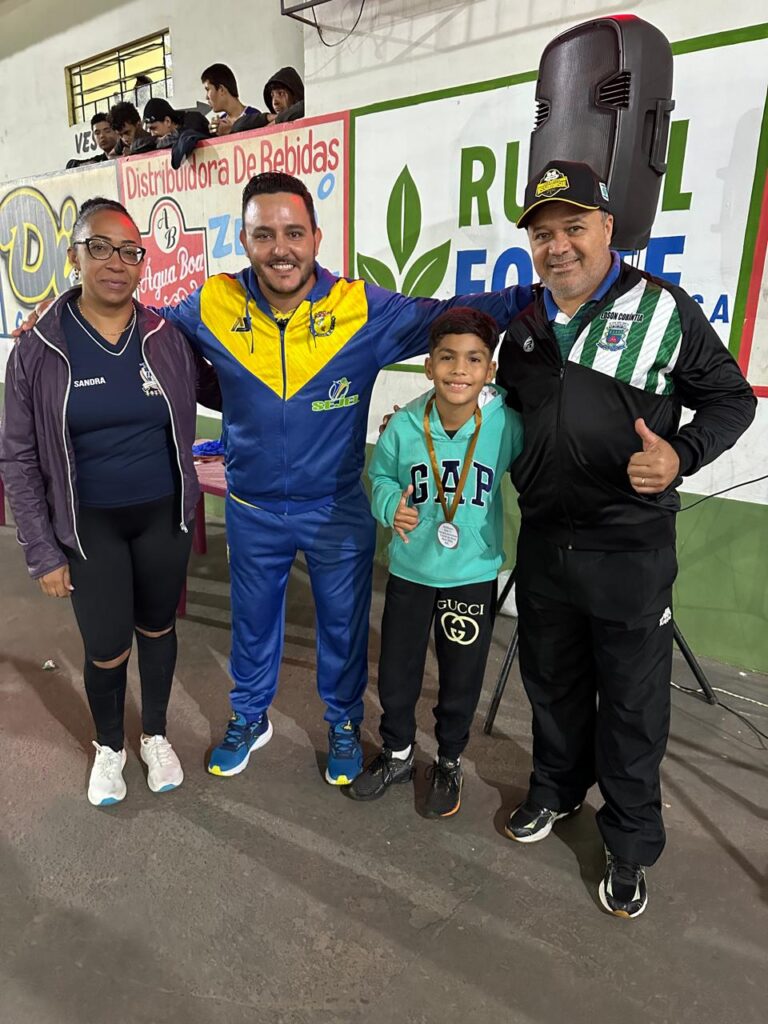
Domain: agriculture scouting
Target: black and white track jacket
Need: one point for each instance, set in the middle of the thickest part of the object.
(644, 350)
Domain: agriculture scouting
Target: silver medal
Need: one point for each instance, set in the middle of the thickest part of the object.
(448, 535)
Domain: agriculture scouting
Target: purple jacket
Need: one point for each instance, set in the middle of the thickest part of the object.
(36, 454)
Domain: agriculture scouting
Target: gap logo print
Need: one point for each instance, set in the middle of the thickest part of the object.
(479, 482)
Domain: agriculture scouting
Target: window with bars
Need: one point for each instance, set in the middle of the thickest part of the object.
(99, 82)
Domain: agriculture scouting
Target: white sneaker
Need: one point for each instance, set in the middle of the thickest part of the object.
(164, 768)
(106, 784)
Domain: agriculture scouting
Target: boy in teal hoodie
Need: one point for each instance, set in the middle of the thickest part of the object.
(436, 474)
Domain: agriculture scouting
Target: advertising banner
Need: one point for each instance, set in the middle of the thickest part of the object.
(36, 221)
(189, 218)
(435, 215)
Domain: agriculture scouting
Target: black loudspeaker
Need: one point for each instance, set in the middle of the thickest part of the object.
(603, 97)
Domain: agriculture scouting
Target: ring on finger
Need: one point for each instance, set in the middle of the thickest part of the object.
(642, 481)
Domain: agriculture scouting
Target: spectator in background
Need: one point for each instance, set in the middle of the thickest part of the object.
(105, 135)
(106, 139)
(161, 121)
(126, 121)
(166, 124)
(221, 92)
(284, 95)
(142, 89)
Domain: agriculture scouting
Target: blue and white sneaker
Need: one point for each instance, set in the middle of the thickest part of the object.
(232, 754)
(345, 756)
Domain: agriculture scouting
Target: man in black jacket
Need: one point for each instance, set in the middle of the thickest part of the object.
(106, 139)
(600, 365)
(165, 123)
(126, 121)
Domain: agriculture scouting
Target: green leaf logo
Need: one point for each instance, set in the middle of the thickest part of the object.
(427, 271)
(403, 218)
(375, 272)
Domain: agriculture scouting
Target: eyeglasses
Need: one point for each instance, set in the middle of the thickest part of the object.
(101, 249)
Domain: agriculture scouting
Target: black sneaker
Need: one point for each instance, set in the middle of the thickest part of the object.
(530, 823)
(623, 891)
(444, 797)
(381, 773)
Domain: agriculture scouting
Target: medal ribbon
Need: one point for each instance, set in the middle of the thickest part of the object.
(449, 513)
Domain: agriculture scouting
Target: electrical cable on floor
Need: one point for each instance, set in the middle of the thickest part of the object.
(742, 717)
(740, 696)
(725, 490)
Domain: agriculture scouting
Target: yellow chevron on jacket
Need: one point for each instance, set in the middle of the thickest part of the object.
(310, 342)
(222, 311)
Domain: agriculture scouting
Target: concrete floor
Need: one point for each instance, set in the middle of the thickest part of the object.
(271, 898)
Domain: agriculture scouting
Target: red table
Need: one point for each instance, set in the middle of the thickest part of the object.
(210, 476)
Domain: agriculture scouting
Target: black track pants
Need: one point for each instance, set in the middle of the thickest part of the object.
(463, 618)
(132, 576)
(596, 662)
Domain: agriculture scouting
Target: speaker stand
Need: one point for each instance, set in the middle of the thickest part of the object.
(511, 652)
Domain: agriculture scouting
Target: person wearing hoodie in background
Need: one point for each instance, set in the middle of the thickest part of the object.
(436, 475)
(284, 95)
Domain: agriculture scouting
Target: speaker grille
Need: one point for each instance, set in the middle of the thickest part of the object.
(615, 91)
(542, 113)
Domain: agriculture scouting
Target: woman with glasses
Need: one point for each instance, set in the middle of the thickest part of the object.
(96, 454)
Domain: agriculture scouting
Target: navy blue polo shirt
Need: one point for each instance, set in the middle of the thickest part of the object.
(567, 328)
(118, 419)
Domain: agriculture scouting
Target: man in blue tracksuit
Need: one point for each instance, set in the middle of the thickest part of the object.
(297, 351)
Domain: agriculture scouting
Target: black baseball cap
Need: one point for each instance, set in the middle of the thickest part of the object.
(157, 109)
(564, 181)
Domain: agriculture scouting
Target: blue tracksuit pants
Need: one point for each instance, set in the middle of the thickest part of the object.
(338, 542)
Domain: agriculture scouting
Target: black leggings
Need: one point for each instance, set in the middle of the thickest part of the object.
(132, 577)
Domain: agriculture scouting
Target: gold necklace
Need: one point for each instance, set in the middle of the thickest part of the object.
(122, 330)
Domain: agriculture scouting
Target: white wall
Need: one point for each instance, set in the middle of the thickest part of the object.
(39, 38)
(405, 47)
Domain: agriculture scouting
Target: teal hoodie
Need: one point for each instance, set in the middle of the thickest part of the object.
(401, 458)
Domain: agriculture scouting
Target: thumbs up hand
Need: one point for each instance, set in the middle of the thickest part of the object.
(406, 517)
(654, 468)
